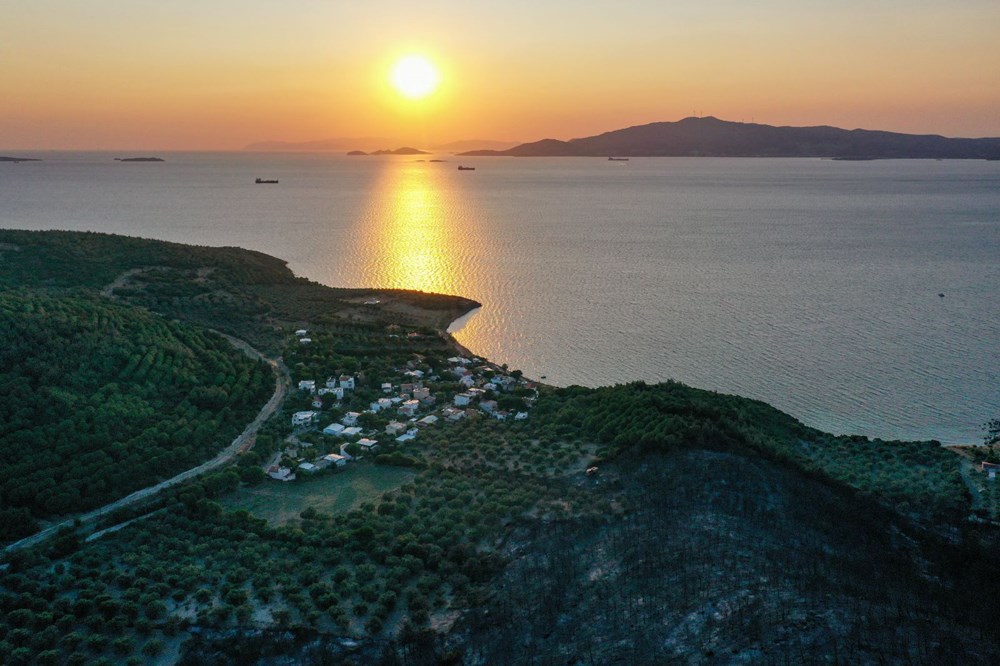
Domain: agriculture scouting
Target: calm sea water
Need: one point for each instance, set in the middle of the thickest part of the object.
(810, 284)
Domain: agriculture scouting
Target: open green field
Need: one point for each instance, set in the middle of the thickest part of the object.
(331, 494)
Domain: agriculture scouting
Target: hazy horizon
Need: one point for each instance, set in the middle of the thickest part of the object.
(118, 75)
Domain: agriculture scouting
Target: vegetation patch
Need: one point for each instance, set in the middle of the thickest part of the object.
(330, 494)
(99, 400)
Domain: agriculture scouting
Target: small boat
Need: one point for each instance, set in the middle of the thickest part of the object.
(618, 159)
(266, 181)
(465, 168)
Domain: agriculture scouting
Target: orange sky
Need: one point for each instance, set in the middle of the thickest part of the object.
(143, 74)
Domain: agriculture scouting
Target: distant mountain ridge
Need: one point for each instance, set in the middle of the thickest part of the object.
(712, 137)
(405, 150)
(371, 144)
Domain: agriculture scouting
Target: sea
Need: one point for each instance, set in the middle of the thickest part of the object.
(860, 297)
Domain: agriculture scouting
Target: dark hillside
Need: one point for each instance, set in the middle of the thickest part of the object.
(921, 479)
(723, 558)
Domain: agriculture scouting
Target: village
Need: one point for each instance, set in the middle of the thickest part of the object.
(343, 423)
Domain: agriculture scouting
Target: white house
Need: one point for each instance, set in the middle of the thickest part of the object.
(410, 407)
(280, 473)
(430, 419)
(333, 429)
(468, 381)
(300, 419)
(520, 416)
(347, 382)
(421, 393)
(453, 414)
(301, 332)
(394, 428)
(334, 459)
(387, 387)
(351, 432)
(308, 467)
(305, 341)
(488, 406)
(369, 445)
(350, 418)
(374, 407)
(337, 392)
(384, 403)
(463, 399)
(308, 385)
(405, 437)
(317, 403)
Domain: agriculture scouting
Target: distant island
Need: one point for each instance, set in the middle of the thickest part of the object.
(139, 159)
(405, 150)
(18, 159)
(712, 137)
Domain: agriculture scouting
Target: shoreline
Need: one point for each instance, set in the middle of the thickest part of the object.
(462, 320)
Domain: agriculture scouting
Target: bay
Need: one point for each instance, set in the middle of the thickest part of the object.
(811, 284)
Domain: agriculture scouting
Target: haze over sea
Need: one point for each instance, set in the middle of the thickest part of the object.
(810, 284)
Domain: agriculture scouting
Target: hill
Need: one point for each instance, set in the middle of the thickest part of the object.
(100, 399)
(627, 524)
(711, 137)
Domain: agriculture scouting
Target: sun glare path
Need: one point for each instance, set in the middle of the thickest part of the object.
(409, 240)
(415, 77)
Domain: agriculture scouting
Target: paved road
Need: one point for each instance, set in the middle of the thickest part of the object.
(282, 382)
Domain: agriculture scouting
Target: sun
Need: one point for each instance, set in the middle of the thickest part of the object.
(415, 77)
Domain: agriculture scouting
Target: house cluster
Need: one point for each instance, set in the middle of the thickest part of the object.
(991, 469)
(478, 378)
(334, 386)
(302, 335)
(408, 405)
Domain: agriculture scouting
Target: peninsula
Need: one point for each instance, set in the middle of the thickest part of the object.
(15, 160)
(139, 159)
(712, 137)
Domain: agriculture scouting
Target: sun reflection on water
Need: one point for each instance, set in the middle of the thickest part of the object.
(410, 240)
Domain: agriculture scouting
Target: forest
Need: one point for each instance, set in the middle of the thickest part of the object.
(632, 524)
(100, 399)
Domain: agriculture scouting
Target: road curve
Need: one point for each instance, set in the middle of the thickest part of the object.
(282, 383)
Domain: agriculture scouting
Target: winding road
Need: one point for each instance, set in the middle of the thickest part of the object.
(245, 440)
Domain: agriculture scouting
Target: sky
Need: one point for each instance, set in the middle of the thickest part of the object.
(219, 74)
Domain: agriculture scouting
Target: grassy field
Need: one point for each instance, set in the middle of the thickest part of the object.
(331, 494)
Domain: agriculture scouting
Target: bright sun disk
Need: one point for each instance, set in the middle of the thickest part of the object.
(415, 77)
